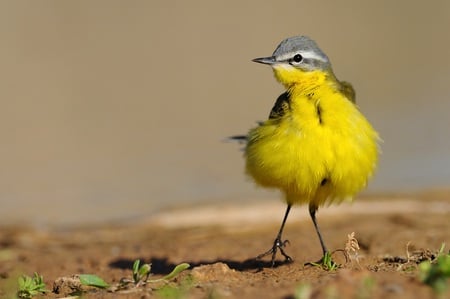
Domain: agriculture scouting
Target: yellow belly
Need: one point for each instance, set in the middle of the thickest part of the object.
(311, 159)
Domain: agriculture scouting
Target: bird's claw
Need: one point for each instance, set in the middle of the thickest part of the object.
(277, 244)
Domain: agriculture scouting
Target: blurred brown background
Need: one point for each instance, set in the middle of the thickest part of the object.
(116, 109)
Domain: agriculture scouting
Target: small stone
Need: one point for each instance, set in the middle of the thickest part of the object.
(68, 285)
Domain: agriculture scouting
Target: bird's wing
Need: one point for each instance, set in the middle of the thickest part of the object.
(281, 106)
(347, 89)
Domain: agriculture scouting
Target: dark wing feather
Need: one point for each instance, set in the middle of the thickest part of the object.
(347, 89)
(282, 105)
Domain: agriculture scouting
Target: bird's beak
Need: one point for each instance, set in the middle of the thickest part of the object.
(265, 60)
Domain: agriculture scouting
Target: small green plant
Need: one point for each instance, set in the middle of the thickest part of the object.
(140, 273)
(92, 281)
(326, 263)
(437, 273)
(31, 286)
(177, 270)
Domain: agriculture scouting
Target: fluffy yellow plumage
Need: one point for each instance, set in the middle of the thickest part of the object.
(316, 146)
(299, 150)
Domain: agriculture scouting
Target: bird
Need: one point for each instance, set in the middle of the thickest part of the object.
(316, 146)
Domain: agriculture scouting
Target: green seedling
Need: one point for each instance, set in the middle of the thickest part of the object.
(31, 286)
(326, 263)
(437, 273)
(177, 270)
(92, 281)
(140, 273)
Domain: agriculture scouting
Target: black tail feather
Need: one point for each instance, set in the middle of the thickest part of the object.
(238, 138)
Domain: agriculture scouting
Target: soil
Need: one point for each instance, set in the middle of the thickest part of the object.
(394, 233)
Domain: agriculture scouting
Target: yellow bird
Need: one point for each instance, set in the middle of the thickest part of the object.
(316, 147)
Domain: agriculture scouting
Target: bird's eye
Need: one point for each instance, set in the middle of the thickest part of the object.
(297, 58)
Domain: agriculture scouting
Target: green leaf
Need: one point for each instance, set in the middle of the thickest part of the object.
(140, 273)
(179, 268)
(144, 270)
(136, 266)
(136, 277)
(93, 281)
(31, 286)
(437, 273)
(326, 263)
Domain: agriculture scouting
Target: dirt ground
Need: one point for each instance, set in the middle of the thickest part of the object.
(219, 242)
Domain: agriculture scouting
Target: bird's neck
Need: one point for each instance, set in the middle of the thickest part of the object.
(300, 82)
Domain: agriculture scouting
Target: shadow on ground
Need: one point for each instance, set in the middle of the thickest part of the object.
(163, 266)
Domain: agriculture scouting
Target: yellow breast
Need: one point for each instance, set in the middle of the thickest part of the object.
(320, 150)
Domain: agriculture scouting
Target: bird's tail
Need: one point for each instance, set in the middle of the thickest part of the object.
(241, 139)
(238, 138)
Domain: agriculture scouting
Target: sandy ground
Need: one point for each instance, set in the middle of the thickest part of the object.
(219, 243)
(115, 109)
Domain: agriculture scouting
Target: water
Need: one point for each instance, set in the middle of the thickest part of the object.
(114, 110)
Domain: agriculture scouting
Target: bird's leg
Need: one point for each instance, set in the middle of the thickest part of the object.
(326, 261)
(312, 212)
(278, 243)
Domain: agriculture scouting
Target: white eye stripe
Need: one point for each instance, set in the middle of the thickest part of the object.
(305, 54)
(313, 55)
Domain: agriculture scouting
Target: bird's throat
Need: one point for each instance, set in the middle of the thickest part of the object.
(299, 81)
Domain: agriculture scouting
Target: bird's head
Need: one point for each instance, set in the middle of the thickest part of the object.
(297, 59)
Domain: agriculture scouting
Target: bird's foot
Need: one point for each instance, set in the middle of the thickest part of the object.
(326, 263)
(277, 244)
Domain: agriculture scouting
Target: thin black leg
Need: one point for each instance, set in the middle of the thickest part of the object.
(278, 243)
(312, 212)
